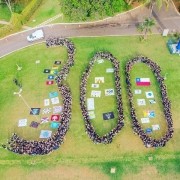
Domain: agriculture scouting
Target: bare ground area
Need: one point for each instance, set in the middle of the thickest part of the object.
(149, 173)
(58, 173)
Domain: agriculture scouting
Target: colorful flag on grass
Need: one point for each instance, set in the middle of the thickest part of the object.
(54, 71)
(53, 94)
(57, 62)
(55, 67)
(50, 77)
(149, 114)
(44, 120)
(55, 117)
(45, 134)
(49, 82)
(143, 82)
(47, 70)
(54, 125)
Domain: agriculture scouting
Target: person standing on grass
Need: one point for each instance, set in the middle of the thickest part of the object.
(15, 81)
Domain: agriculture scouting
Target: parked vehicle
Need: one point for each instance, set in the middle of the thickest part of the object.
(38, 34)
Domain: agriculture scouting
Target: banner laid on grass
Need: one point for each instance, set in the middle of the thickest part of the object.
(110, 70)
(155, 127)
(100, 61)
(137, 91)
(149, 94)
(149, 113)
(95, 85)
(99, 80)
(46, 102)
(152, 101)
(95, 93)
(108, 115)
(91, 114)
(90, 103)
(109, 92)
(54, 125)
(55, 100)
(57, 109)
(141, 102)
(45, 134)
(53, 94)
(22, 122)
(143, 82)
(145, 120)
(35, 111)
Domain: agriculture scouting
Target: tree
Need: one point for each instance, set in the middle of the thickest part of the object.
(177, 35)
(157, 2)
(146, 27)
(8, 3)
(129, 2)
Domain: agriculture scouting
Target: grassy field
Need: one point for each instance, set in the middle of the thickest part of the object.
(47, 10)
(5, 14)
(78, 157)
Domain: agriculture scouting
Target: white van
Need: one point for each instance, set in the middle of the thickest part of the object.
(38, 34)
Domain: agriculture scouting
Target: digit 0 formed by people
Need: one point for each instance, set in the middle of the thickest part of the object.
(107, 138)
(148, 140)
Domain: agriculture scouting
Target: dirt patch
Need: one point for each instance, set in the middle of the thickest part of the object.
(67, 173)
(177, 5)
(149, 173)
(136, 4)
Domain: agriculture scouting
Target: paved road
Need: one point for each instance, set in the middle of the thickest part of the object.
(123, 24)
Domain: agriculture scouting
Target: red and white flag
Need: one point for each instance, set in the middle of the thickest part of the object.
(143, 82)
(55, 117)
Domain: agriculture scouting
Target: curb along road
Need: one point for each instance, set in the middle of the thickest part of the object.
(124, 24)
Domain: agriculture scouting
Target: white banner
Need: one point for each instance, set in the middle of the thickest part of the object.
(95, 93)
(145, 120)
(109, 92)
(90, 103)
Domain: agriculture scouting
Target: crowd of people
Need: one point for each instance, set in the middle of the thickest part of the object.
(148, 140)
(21, 146)
(89, 129)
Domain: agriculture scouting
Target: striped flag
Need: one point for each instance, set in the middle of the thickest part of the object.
(143, 82)
(49, 82)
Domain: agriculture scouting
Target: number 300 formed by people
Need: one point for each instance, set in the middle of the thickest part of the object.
(21, 146)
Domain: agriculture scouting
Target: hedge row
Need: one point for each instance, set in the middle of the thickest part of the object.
(30, 9)
(17, 20)
(13, 26)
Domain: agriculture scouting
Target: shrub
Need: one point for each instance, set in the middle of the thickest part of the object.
(30, 9)
(13, 26)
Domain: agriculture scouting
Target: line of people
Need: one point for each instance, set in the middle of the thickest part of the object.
(21, 146)
(89, 129)
(148, 140)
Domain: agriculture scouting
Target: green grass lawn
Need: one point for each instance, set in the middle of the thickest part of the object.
(5, 14)
(79, 157)
(47, 10)
(1, 25)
